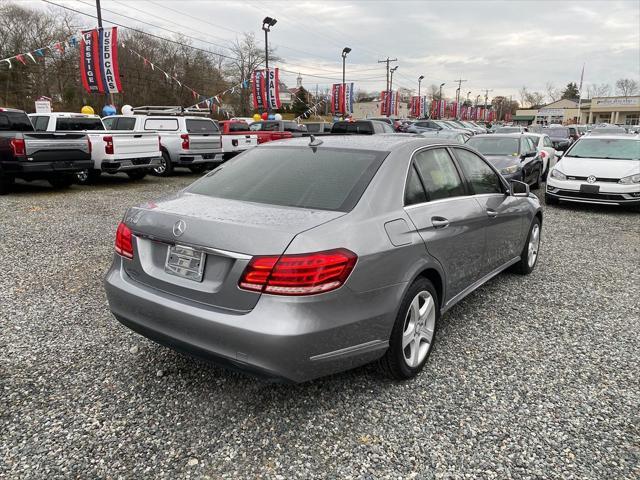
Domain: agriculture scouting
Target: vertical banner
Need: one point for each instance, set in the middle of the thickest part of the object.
(335, 98)
(89, 67)
(384, 102)
(258, 90)
(273, 89)
(109, 60)
(348, 98)
(434, 108)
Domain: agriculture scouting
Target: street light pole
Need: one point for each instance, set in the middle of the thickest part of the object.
(267, 23)
(420, 78)
(390, 92)
(345, 52)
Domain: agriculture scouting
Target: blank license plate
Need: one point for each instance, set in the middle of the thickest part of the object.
(185, 262)
(584, 188)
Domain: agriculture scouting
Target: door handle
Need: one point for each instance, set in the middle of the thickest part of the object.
(439, 222)
(492, 213)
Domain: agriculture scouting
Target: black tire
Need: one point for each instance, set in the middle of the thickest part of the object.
(524, 267)
(63, 181)
(87, 177)
(6, 183)
(137, 174)
(165, 169)
(394, 363)
(198, 167)
(228, 156)
(536, 184)
(549, 200)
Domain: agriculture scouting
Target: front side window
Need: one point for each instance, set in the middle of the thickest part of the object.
(109, 123)
(546, 141)
(481, 176)
(324, 178)
(439, 174)
(124, 123)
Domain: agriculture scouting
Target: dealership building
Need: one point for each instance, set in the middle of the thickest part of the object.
(615, 110)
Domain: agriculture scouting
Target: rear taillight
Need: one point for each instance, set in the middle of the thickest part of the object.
(89, 145)
(108, 144)
(124, 245)
(303, 274)
(18, 147)
(185, 141)
(262, 139)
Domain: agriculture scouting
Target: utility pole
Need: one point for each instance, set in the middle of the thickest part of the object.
(458, 91)
(387, 61)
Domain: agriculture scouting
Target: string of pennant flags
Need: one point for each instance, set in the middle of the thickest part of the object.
(311, 110)
(57, 47)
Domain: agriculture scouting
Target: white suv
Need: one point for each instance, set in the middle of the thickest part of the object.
(602, 169)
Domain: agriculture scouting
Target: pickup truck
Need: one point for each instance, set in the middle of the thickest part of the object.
(236, 137)
(279, 128)
(25, 154)
(361, 127)
(134, 153)
(185, 141)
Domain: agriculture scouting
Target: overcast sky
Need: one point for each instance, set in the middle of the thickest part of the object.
(499, 45)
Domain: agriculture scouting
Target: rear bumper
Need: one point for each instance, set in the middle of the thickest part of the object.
(44, 169)
(295, 339)
(129, 164)
(187, 159)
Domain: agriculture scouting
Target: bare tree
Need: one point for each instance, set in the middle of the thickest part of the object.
(553, 93)
(524, 95)
(626, 87)
(602, 90)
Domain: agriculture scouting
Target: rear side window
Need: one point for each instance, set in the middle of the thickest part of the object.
(202, 126)
(40, 123)
(75, 124)
(15, 121)
(414, 192)
(481, 176)
(439, 174)
(291, 127)
(323, 178)
(161, 124)
(125, 123)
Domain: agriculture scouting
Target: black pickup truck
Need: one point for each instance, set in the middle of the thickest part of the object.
(25, 154)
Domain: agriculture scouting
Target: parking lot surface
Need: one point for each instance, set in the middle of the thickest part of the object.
(530, 377)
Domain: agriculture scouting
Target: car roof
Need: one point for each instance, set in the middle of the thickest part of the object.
(500, 135)
(614, 136)
(380, 142)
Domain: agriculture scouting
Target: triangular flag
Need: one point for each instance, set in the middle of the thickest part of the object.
(21, 59)
(166, 75)
(8, 61)
(59, 47)
(40, 52)
(31, 57)
(195, 95)
(152, 67)
(74, 41)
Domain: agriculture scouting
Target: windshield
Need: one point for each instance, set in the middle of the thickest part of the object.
(76, 124)
(508, 130)
(361, 128)
(558, 132)
(323, 179)
(495, 146)
(618, 148)
(265, 126)
(608, 131)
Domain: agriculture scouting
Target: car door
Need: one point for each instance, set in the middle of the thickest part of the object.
(503, 212)
(529, 162)
(547, 146)
(450, 222)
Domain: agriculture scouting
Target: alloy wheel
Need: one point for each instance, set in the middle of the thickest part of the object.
(83, 176)
(534, 245)
(419, 325)
(162, 167)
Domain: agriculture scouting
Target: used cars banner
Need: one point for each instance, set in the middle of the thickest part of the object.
(99, 70)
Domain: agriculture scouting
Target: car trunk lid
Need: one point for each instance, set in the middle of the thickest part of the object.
(223, 234)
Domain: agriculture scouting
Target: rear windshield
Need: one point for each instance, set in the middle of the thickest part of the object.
(362, 128)
(238, 127)
(508, 130)
(495, 146)
(558, 132)
(75, 124)
(201, 126)
(619, 149)
(322, 179)
(15, 122)
(314, 127)
(265, 126)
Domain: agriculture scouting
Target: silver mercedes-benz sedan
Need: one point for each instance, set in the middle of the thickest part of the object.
(303, 258)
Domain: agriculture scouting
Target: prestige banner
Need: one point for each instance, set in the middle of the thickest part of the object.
(99, 70)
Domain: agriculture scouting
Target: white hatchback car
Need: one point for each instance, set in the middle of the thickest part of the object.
(602, 169)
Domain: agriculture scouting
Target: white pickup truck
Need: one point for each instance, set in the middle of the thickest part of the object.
(134, 153)
(186, 141)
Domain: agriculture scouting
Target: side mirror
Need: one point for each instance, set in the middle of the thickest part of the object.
(528, 155)
(519, 189)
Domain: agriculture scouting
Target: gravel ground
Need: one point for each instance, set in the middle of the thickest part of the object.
(531, 377)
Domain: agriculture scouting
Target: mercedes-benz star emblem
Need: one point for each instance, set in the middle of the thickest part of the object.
(591, 179)
(179, 228)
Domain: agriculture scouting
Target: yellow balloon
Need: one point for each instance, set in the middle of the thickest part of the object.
(257, 117)
(87, 110)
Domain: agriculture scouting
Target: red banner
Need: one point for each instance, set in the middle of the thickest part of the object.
(99, 70)
(259, 90)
